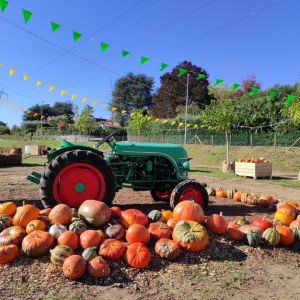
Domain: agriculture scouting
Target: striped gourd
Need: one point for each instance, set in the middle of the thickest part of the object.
(89, 253)
(230, 193)
(252, 239)
(211, 191)
(60, 253)
(219, 189)
(271, 236)
(244, 197)
(296, 231)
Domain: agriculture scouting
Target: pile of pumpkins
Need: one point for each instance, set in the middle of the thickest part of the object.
(71, 229)
(253, 160)
(244, 197)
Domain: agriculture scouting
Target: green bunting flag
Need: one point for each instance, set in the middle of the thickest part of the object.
(124, 53)
(218, 81)
(54, 26)
(143, 60)
(104, 46)
(181, 72)
(3, 5)
(200, 76)
(254, 90)
(235, 86)
(272, 94)
(27, 14)
(76, 36)
(289, 99)
(163, 66)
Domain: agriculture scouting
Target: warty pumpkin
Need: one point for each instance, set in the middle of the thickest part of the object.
(98, 267)
(60, 253)
(167, 249)
(112, 249)
(188, 210)
(190, 235)
(5, 221)
(133, 216)
(12, 235)
(286, 235)
(216, 224)
(68, 238)
(89, 239)
(8, 253)
(137, 233)
(159, 230)
(8, 208)
(74, 267)
(252, 239)
(155, 216)
(25, 214)
(271, 236)
(61, 214)
(35, 225)
(89, 253)
(137, 256)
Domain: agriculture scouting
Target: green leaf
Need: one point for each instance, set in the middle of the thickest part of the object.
(27, 14)
(54, 26)
(3, 5)
(104, 46)
(76, 36)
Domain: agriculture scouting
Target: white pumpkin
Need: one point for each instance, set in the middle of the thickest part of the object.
(56, 230)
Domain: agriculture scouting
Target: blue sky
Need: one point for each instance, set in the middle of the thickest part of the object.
(266, 43)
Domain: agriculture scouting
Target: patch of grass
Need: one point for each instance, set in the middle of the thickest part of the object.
(298, 262)
(280, 275)
(21, 291)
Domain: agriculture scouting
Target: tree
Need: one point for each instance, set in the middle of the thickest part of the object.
(84, 121)
(249, 83)
(131, 92)
(15, 129)
(172, 92)
(4, 130)
(3, 124)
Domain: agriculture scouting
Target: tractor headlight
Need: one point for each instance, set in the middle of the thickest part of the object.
(186, 165)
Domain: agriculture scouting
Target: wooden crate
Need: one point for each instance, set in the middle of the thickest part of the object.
(36, 149)
(255, 170)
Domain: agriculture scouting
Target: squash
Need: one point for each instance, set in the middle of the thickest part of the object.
(137, 256)
(159, 230)
(221, 194)
(133, 216)
(98, 267)
(60, 253)
(89, 239)
(78, 227)
(253, 200)
(8, 208)
(5, 222)
(288, 208)
(188, 210)
(167, 214)
(230, 193)
(211, 191)
(272, 207)
(137, 233)
(285, 217)
(37, 243)
(286, 235)
(237, 196)
(94, 213)
(190, 235)
(8, 253)
(101, 233)
(115, 212)
(12, 235)
(233, 225)
(216, 224)
(35, 225)
(252, 239)
(68, 238)
(25, 214)
(155, 216)
(244, 197)
(241, 221)
(74, 213)
(112, 249)
(296, 231)
(89, 253)
(167, 249)
(262, 223)
(292, 203)
(271, 236)
(235, 234)
(56, 230)
(45, 212)
(74, 267)
(248, 228)
(264, 200)
(115, 231)
(171, 223)
(61, 214)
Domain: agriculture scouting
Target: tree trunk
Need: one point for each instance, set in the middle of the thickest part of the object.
(227, 146)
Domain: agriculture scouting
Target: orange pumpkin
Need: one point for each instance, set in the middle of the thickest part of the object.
(264, 200)
(248, 228)
(68, 238)
(35, 225)
(25, 214)
(61, 214)
(89, 239)
(8, 208)
(221, 194)
(8, 253)
(137, 233)
(12, 235)
(233, 225)
(167, 249)
(159, 230)
(286, 217)
(216, 224)
(115, 212)
(98, 267)
(171, 223)
(14, 151)
(74, 266)
(137, 255)
(133, 216)
(237, 196)
(295, 224)
(112, 249)
(292, 203)
(286, 235)
(45, 212)
(235, 234)
(188, 211)
(286, 207)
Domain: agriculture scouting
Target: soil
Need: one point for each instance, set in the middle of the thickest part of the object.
(224, 269)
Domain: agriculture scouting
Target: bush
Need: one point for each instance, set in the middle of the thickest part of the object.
(4, 130)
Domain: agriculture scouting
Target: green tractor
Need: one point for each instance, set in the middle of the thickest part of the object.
(76, 173)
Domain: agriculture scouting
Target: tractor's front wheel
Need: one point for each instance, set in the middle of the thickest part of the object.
(160, 196)
(189, 190)
(76, 176)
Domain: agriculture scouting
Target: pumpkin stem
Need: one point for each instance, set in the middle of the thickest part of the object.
(161, 224)
(221, 214)
(57, 225)
(23, 202)
(38, 236)
(138, 249)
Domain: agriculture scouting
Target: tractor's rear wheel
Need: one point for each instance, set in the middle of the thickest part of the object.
(160, 196)
(189, 190)
(76, 176)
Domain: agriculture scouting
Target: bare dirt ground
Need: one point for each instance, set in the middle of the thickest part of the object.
(225, 269)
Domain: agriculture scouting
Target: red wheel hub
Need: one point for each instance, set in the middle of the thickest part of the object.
(77, 183)
(191, 193)
(163, 195)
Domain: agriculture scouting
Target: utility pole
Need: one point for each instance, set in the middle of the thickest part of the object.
(42, 120)
(186, 107)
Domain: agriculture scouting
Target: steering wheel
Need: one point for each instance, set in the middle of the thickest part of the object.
(106, 139)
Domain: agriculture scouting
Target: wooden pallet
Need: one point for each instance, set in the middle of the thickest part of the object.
(254, 170)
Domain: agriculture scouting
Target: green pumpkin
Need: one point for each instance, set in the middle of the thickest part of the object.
(244, 197)
(155, 216)
(230, 193)
(78, 227)
(296, 231)
(271, 236)
(252, 239)
(211, 191)
(89, 253)
(60, 253)
(242, 221)
(5, 222)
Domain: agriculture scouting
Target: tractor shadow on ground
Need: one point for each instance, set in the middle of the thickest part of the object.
(199, 171)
